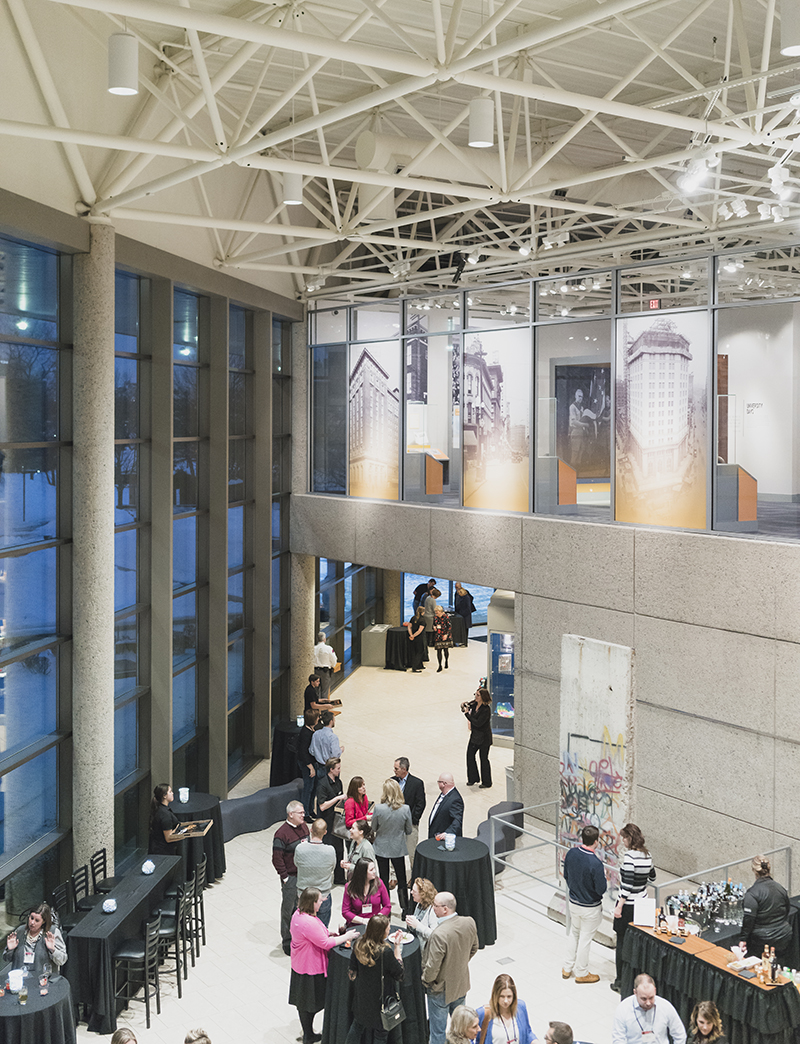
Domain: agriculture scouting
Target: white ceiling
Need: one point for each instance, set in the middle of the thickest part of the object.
(601, 105)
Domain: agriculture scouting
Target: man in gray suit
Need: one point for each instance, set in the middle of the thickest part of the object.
(445, 968)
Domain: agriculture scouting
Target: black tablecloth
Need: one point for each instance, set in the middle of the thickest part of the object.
(338, 1004)
(467, 873)
(750, 1015)
(91, 944)
(283, 760)
(398, 649)
(202, 806)
(43, 1020)
(459, 629)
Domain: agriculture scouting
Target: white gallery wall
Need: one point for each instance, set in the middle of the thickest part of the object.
(763, 368)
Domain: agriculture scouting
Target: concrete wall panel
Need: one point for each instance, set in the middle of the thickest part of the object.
(684, 837)
(787, 686)
(593, 562)
(542, 700)
(704, 671)
(546, 620)
(703, 763)
(323, 526)
(477, 547)
(393, 539)
(709, 580)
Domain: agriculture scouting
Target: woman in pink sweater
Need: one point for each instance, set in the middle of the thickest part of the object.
(365, 894)
(356, 804)
(310, 944)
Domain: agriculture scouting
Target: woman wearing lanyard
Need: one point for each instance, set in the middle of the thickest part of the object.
(37, 945)
(504, 1020)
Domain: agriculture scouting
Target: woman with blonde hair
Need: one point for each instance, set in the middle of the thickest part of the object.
(391, 822)
(123, 1036)
(505, 1017)
(423, 920)
(464, 1025)
(705, 1025)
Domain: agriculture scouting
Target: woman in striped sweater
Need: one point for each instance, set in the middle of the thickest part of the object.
(636, 870)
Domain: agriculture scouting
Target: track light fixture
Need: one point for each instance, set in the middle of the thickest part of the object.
(400, 268)
(555, 239)
(525, 250)
(764, 211)
(694, 176)
(123, 64)
(740, 208)
(778, 177)
(779, 214)
(474, 257)
(725, 212)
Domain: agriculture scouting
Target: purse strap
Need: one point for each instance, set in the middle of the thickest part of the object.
(396, 990)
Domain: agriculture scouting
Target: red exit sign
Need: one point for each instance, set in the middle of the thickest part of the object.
(654, 303)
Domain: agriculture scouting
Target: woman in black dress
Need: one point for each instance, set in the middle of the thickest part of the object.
(162, 821)
(416, 635)
(478, 713)
(442, 636)
(371, 959)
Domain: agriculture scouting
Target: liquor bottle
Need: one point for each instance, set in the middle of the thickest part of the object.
(774, 970)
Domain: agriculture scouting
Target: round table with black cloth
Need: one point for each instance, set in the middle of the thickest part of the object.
(283, 761)
(467, 873)
(750, 1014)
(398, 649)
(47, 1018)
(338, 1001)
(458, 628)
(202, 806)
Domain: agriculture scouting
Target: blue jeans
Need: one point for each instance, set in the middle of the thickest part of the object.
(309, 789)
(325, 911)
(438, 1010)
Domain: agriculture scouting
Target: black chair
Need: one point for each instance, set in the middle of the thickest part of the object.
(80, 890)
(198, 907)
(101, 882)
(63, 907)
(137, 959)
(172, 936)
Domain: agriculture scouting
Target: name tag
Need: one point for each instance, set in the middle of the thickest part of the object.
(28, 958)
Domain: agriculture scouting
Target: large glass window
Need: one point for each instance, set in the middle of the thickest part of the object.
(348, 600)
(131, 544)
(324, 391)
(34, 462)
(240, 553)
(757, 472)
(329, 416)
(190, 352)
(573, 419)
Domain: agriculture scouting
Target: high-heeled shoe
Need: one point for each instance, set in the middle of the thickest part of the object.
(438, 668)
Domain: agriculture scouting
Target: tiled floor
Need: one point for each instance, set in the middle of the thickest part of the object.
(238, 991)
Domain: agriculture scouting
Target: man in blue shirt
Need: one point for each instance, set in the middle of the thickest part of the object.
(586, 881)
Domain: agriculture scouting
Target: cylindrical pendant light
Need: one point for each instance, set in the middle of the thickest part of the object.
(123, 64)
(481, 123)
(790, 27)
(292, 189)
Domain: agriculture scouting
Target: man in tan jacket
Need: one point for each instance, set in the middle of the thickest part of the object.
(445, 968)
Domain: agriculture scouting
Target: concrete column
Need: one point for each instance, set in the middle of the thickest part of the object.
(303, 638)
(392, 597)
(93, 549)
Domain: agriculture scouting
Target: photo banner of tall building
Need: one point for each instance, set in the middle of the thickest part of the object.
(374, 420)
(496, 420)
(662, 420)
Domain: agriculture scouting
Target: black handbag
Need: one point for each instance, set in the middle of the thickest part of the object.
(392, 1010)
